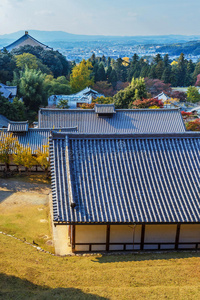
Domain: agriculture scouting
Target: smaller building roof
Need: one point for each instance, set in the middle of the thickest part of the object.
(104, 109)
(3, 122)
(8, 91)
(36, 138)
(21, 126)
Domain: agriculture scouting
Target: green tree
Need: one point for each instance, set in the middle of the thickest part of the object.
(135, 90)
(26, 59)
(63, 104)
(32, 89)
(81, 77)
(193, 94)
(15, 111)
(57, 86)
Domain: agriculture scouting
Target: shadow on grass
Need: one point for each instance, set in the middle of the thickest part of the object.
(124, 257)
(12, 287)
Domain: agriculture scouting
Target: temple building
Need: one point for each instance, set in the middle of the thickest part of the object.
(26, 39)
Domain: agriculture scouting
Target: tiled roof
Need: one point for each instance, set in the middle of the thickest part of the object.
(36, 138)
(8, 91)
(104, 108)
(24, 38)
(3, 121)
(126, 178)
(123, 121)
(18, 126)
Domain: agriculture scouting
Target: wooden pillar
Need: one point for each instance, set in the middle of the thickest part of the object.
(73, 237)
(70, 234)
(107, 237)
(178, 228)
(142, 237)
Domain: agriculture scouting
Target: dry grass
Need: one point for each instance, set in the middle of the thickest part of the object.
(29, 274)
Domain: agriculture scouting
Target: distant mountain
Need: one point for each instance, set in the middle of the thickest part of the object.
(188, 48)
(55, 36)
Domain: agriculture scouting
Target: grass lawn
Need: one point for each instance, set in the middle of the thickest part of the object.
(26, 273)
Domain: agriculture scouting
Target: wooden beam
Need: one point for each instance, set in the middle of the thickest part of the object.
(107, 237)
(73, 237)
(142, 237)
(178, 228)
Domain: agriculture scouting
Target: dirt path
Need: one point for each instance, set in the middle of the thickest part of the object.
(22, 192)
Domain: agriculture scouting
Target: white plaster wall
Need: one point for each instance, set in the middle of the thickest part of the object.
(90, 234)
(189, 233)
(61, 239)
(125, 234)
(159, 233)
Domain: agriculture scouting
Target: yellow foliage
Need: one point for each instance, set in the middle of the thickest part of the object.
(80, 77)
(125, 61)
(174, 63)
(42, 157)
(23, 157)
(8, 145)
(154, 107)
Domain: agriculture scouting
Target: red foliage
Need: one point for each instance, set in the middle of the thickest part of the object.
(146, 103)
(156, 86)
(198, 80)
(179, 95)
(184, 113)
(193, 125)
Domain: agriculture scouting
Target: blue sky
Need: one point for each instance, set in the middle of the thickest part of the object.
(105, 17)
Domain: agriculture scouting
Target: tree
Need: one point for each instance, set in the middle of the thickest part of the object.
(135, 90)
(80, 77)
(57, 86)
(42, 158)
(26, 59)
(101, 74)
(24, 157)
(63, 104)
(193, 94)
(8, 144)
(13, 111)
(103, 87)
(193, 125)
(156, 86)
(32, 89)
(147, 103)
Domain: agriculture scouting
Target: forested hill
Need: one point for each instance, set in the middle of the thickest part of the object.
(192, 48)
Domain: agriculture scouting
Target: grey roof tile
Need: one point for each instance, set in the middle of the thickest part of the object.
(126, 178)
(123, 121)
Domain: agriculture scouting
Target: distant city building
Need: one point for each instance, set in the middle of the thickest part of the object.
(9, 92)
(26, 39)
(74, 100)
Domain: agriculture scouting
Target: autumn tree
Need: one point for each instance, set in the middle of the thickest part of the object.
(81, 77)
(147, 103)
(23, 157)
(8, 144)
(42, 158)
